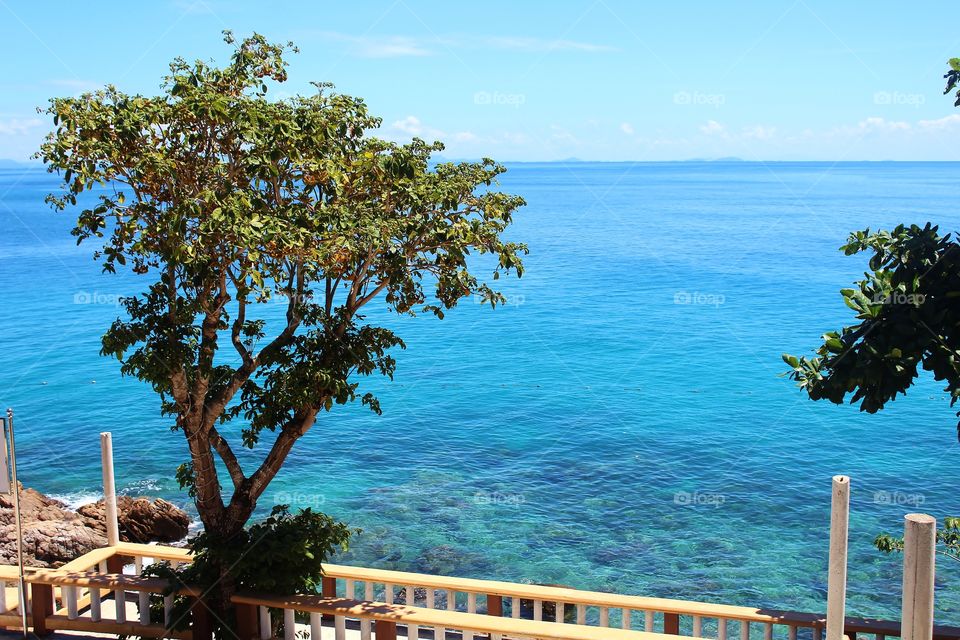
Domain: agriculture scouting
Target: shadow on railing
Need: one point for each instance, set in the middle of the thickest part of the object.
(93, 594)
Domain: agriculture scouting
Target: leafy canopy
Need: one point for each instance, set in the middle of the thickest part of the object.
(908, 318)
(223, 200)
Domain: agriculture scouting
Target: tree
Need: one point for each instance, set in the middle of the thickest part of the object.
(908, 317)
(908, 312)
(223, 200)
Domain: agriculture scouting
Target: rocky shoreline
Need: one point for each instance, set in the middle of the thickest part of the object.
(53, 534)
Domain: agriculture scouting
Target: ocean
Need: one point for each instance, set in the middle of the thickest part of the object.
(620, 425)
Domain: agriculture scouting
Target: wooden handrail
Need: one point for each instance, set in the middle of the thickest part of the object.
(404, 614)
(573, 596)
(111, 581)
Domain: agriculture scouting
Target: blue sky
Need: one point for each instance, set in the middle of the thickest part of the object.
(597, 80)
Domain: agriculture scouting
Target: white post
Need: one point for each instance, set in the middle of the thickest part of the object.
(109, 489)
(919, 547)
(837, 571)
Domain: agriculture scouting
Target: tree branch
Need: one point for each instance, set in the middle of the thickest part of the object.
(229, 459)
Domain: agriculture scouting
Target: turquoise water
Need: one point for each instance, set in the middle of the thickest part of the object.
(620, 425)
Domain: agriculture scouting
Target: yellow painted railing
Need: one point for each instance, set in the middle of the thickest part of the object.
(376, 603)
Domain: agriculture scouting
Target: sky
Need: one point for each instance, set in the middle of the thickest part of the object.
(538, 81)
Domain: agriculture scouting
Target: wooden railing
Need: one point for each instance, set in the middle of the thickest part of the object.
(378, 602)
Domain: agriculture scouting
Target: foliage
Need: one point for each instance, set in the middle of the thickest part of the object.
(948, 540)
(908, 313)
(953, 77)
(230, 204)
(283, 554)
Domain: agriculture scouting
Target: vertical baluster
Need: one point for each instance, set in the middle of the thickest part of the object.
(340, 627)
(768, 631)
(581, 614)
(744, 630)
(697, 627)
(561, 612)
(626, 623)
(315, 626)
(365, 624)
(143, 603)
(648, 621)
(471, 608)
(289, 625)
(95, 605)
(3, 597)
(817, 633)
(721, 629)
(266, 625)
(413, 631)
(120, 599)
(70, 595)
(440, 633)
(604, 617)
(538, 609)
(881, 636)
(432, 604)
(351, 589)
(388, 593)
(168, 610)
(514, 607)
(793, 632)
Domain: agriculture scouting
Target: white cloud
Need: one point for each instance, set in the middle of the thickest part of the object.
(411, 126)
(882, 124)
(395, 46)
(946, 122)
(539, 45)
(627, 128)
(713, 128)
(759, 132)
(18, 126)
(378, 46)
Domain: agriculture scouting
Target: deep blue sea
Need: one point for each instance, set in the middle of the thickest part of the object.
(620, 425)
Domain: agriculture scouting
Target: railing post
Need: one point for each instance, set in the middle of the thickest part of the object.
(385, 630)
(671, 624)
(116, 563)
(248, 627)
(837, 567)
(42, 607)
(494, 605)
(109, 489)
(919, 548)
(202, 629)
(328, 589)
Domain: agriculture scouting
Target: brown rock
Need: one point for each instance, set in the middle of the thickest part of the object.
(54, 535)
(140, 519)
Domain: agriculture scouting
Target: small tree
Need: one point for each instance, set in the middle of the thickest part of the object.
(224, 200)
(908, 313)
